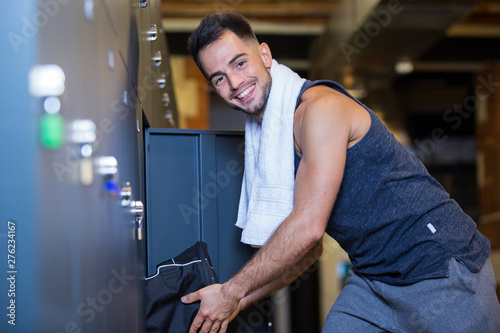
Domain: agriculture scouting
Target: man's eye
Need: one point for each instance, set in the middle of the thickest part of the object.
(218, 80)
(240, 64)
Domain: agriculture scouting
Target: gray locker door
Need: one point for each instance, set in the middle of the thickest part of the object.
(69, 145)
(193, 182)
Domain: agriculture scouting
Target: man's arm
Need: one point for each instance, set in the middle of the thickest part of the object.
(323, 137)
(285, 278)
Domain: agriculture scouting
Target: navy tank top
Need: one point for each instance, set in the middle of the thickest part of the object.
(395, 221)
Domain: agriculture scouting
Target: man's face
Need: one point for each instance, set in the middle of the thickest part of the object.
(239, 72)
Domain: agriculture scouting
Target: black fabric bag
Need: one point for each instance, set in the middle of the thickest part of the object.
(174, 278)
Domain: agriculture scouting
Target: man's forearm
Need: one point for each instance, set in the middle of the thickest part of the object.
(295, 239)
(284, 279)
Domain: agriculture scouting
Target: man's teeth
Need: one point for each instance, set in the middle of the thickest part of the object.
(244, 93)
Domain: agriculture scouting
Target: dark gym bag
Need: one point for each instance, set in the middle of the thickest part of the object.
(189, 271)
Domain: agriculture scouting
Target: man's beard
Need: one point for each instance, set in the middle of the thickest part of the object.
(266, 89)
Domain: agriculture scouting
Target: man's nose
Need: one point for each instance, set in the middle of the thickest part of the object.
(235, 80)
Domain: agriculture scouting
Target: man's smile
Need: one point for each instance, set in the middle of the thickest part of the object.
(246, 93)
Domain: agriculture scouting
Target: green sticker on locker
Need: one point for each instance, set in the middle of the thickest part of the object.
(52, 131)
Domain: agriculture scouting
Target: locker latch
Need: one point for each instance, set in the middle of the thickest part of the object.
(138, 210)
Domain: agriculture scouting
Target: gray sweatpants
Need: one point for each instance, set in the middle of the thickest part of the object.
(463, 302)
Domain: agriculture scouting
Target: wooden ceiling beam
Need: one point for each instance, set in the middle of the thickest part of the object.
(251, 9)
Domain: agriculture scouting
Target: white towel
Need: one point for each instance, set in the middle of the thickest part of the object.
(267, 189)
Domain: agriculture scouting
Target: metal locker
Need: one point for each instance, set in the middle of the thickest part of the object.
(193, 183)
(75, 79)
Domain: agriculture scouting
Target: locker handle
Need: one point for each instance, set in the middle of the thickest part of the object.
(162, 81)
(152, 33)
(138, 210)
(157, 58)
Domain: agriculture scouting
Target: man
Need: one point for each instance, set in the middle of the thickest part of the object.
(419, 263)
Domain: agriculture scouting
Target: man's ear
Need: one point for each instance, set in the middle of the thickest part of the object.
(265, 54)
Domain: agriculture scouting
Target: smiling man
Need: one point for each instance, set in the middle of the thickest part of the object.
(237, 79)
(243, 85)
(316, 161)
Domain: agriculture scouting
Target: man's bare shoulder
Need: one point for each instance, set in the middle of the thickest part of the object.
(323, 97)
(323, 105)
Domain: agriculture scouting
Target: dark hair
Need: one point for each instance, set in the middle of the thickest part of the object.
(212, 27)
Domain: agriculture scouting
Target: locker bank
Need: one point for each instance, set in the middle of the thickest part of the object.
(90, 155)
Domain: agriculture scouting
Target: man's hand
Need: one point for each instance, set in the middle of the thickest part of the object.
(218, 307)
